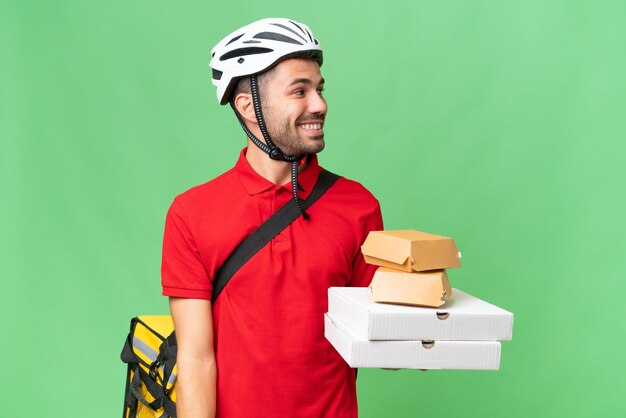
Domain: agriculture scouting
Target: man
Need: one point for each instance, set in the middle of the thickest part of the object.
(259, 350)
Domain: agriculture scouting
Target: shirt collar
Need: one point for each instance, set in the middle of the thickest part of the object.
(255, 183)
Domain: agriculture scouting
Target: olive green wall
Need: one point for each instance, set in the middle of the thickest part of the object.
(499, 123)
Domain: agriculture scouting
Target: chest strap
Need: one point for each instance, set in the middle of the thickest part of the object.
(268, 230)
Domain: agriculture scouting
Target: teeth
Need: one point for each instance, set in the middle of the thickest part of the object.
(311, 126)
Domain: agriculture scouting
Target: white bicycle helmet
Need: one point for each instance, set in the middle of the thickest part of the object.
(257, 47)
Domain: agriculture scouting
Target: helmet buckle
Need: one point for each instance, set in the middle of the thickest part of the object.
(275, 154)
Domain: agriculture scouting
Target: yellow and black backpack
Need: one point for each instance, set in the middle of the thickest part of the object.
(150, 352)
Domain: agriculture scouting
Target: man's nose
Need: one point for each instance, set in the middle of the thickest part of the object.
(317, 104)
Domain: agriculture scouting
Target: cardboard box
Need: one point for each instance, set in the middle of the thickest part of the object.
(409, 250)
(463, 317)
(358, 351)
(430, 288)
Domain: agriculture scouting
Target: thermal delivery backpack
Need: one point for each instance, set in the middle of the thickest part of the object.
(150, 352)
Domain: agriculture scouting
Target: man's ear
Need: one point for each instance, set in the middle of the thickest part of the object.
(245, 107)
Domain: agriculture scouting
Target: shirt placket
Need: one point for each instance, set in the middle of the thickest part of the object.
(280, 197)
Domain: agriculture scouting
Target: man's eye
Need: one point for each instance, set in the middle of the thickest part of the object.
(299, 92)
(320, 91)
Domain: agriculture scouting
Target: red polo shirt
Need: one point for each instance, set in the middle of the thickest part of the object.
(272, 357)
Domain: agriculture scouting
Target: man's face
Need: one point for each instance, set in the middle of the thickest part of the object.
(293, 106)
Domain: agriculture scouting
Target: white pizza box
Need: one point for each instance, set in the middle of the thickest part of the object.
(462, 318)
(358, 351)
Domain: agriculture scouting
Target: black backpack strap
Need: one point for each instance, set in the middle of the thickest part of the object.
(288, 213)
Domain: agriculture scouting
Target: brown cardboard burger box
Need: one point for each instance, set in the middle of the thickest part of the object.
(428, 288)
(409, 250)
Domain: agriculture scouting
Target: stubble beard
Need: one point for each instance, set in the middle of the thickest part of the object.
(287, 138)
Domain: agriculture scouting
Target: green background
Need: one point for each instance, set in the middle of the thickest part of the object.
(499, 123)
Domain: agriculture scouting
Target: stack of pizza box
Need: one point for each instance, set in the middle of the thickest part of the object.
(409, 316)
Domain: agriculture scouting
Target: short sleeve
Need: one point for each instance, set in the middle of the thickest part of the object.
(182, 272)
(362, 272)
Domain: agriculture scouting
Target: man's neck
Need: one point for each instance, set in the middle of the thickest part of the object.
(278, 172)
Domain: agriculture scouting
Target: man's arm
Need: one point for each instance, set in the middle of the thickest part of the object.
(197, 370)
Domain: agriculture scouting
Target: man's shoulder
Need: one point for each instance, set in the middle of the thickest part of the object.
(346, 185)
(352, 193)
(219, 184)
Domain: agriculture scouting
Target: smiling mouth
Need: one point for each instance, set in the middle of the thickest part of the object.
(310, 126)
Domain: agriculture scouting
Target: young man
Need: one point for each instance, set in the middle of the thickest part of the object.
(259, 350)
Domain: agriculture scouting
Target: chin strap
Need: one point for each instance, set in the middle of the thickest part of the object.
(269, 147)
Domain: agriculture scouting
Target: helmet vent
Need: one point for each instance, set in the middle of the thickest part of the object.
(217, 75)
(290, 30)
(244, 51)
(273, 36)
(234, 39)
(302, 30)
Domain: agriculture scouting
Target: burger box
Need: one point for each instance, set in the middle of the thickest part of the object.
(358, 351)
(428, 288)
(409, 250)
(462, 318)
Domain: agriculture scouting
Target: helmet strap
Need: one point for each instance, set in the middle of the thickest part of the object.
(275, 153)
(269, 147)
